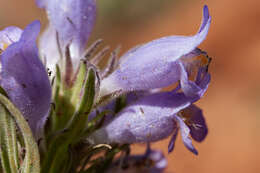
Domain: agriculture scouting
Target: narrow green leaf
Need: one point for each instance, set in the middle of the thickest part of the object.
(3, 143)
(31, 163)
(8, 138)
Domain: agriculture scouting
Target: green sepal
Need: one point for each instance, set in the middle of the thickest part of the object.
(58, 150)
(78, 83)
(79, 122)
(121, 102)
(62, 107)
(66, 97)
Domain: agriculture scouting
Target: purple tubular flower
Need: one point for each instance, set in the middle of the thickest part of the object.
(73, 20)
(25, 79)
(153, 118)
(155, 64)
(156, 116)
(146, 120)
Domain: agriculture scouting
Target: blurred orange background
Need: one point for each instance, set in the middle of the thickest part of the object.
(231, 105)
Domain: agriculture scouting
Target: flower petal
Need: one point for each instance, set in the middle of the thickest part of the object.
(160, 162)
(41, 3)
(49, 52)
(194, 90)
(185, 131)
(171, 144)
(9, 35)
(25, 79)
(146, 120)
(142, 67)
(196, 123)
(73, 20)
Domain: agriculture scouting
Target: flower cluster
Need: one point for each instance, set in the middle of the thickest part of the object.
(75, 102)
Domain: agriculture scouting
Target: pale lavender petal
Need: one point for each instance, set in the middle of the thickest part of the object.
(160, 162)
(41, 3)
(25, 79)
(185, 132)
(148, 119)
(48, 48)
(73, 20)
(154, 65)
(196, 123)
(9, 35)
(171, 144)
(194, 90)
